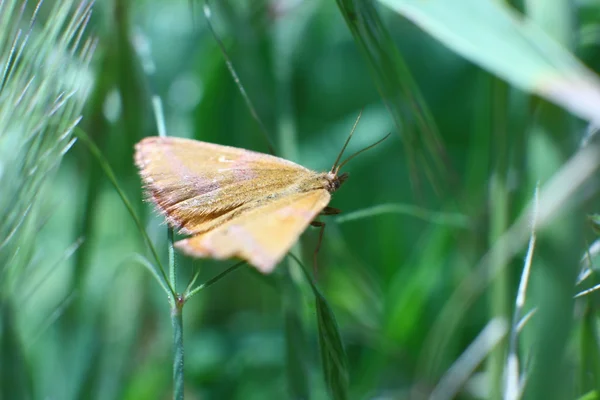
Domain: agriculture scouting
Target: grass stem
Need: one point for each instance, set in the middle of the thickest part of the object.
(178, 352)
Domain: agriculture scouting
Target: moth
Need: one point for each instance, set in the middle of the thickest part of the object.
(235, 202)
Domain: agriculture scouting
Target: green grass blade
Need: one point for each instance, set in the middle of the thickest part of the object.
(397, 87)
(178, 349)
(154, 270)
(333, 355)
(434, 217)
(593, 395)
(493, 36)
(589, 346)
(161, 275)
(192, 292)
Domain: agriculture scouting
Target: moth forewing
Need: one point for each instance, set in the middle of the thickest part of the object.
(195, 183)
(234, 202)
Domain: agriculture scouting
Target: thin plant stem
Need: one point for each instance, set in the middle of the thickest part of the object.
(236, 79)
(192, 281)
(178, 351)
(309, 279)
(499, 211)
(171, 254)
(143, 261)
(512, 391)
(212, 281)
(177, 300)
(462, 369)
(435, 217)
(159, 115)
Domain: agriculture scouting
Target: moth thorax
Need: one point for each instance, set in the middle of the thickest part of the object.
(334, 181)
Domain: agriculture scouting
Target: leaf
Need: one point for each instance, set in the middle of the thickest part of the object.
(589, 353)
(493, 36)
(159, 274)
(594, 220)
(398, 89)
(333, 356)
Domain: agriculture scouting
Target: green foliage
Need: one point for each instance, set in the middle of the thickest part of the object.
(43, 84)
(419, 277)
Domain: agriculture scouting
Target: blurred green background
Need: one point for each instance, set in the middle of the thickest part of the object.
(421, 270)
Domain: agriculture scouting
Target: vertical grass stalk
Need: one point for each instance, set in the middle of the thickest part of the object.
(499, 210)
(178, 352)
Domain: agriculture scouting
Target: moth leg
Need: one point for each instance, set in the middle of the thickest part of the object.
(330, 211)
(318, 224)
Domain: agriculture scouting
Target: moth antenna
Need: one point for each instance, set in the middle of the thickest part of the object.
(360, 151)
(337, 160)
(236, 79)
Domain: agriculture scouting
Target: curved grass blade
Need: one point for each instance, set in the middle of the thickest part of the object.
(589, 345)
(463, 368)
(556, 195)
(189, 293)
(434, 217)
(51, 319)
(111, 176)
(593, 395)
(155, 271)
(493, 36)
(333, 355)
(397, 87)
(68, 253)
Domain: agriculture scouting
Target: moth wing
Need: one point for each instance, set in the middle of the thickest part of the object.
(263, 235)
(196, 184)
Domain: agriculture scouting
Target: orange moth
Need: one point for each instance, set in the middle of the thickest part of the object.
(234, 202)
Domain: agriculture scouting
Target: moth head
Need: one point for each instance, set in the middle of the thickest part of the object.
(334, 181)
(341, 179)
